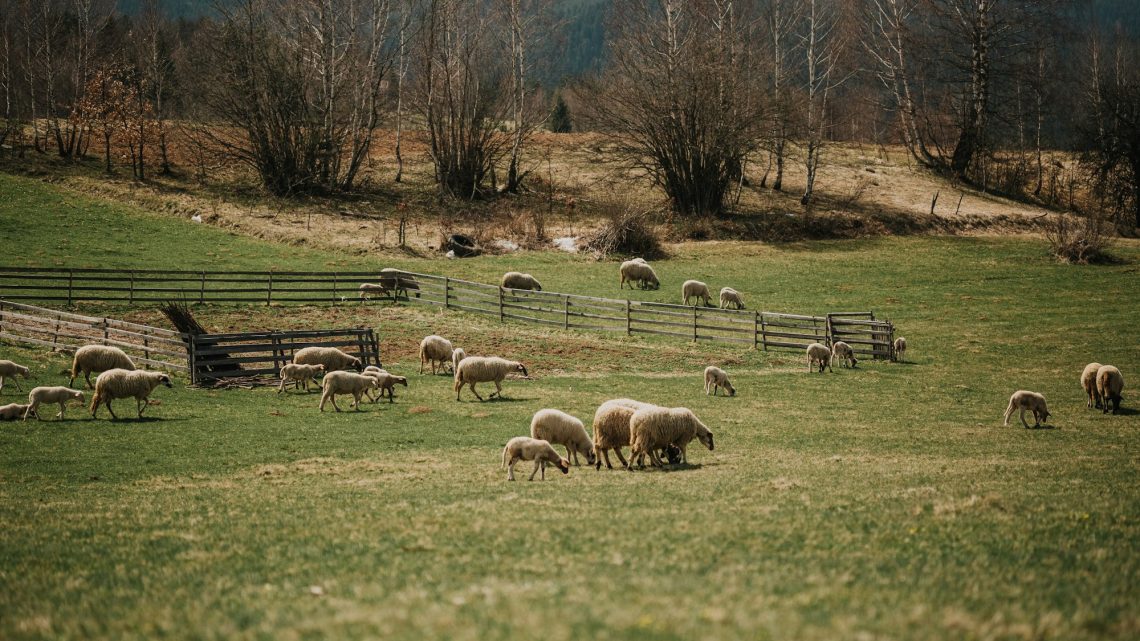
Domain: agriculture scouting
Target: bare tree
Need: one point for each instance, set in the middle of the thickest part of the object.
(403, 34)
(1113, 136)
(781, 20)
(153, 59)
(822, 45)
(522, 18)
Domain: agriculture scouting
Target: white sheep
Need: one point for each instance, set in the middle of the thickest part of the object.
(94, 359)
(640, 271)
(518, 280)
(611, 431)
(435, 350)
(560, 428)
(843, 353)
(731, 297)
(346, 383)
(695, 289)
(13, 411)
(121, 383)
(8, 369)
(716, 378)
(369, 290)
(457, 355)
(485, 369)
(524, 448)
(299, 374)
(900, 348)
(1109, 384)
(374, 372)
(40, 395)
(332, 358)
(653, 428)
(385, 382)
(1025, 400)
(818, 353)
(1088, 383)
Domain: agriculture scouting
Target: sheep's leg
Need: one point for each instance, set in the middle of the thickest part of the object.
(17, 382)
(472, 385)
(498, 390)
(140, 405)
(511, 468)
(1008, 413)
(598, 462)
(537, 466)
(356, 400)
(32, 410)
(624, 463)
(1023, 418)
(654, 459)
(113, 416)
(324, 397)
(684, 453)
(1, 383)
(281, 387)
(87, 375)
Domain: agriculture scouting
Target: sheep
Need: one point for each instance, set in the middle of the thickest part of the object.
(1025, 400)
(716, 378)
(456, 356)
(96, 359)
(1109, 384)
(1088, 382)
(300, 374)
(13, 411)
(517, 280)
(524, 448)
(368, 290)
(40, 395)
(332, 358)
(560, 428)
(485, 369)
(611, 431)
(385, 382)
(346, 383)
(900, 348)
(651, 428)
(730, 297)
(844, 354)
(120, 383)
(695, 289)
(435, 349)
(398, 281)
(818, 353)
(8, 369)
(640, 271)
(374, 372)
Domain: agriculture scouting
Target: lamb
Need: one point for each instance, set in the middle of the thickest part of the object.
(695, 289)
(96, 359)
(8, 369)
(818, 353)
(368, 290)
(844, 354)
(611, 431)
(656, 427)
(640, 271)
(40, 395)
(300, 374)
(1025, 400)
(900, 348)
(518, 280)
(729, 296)
(13, 411)
(715, 379)
(457, 356)
(560, 428)
(524, 448)
(121, 383)
(385, 382)
(435, 349)
(1088, 382)
(1109, 384)
(332, 358)
(374, 372)
(346, 383)
(485, 369)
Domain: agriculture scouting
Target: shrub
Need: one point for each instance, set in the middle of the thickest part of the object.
(627, 233)
(1080, 239)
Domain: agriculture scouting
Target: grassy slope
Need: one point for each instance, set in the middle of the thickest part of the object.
(902, 510)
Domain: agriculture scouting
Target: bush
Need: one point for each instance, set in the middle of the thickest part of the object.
(629, 234)
(1080, 239)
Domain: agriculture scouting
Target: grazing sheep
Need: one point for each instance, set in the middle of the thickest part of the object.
(1025, 400)
(716, 378)
(1088, 382)
(8, 369)
(374, 372)
(40, 395)
(398, 281)
(346, 383)
(611, 431)
(13, 411)
(695, 289)
(524, 448)
(559, 428)
(435, 349)
(900, 348)
(652, 428)
(385, 382)
(485, 369)
(95, 359)
(730, 297)
(843, 353)
(332, 358)
(818, 353)
(518, 280)
(1109, 384)
(369, 290)
(121, 383)
(640, 271)
(457, 355)
(299, 374)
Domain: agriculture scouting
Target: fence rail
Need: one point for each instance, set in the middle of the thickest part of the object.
(759, 329)
(218, 356)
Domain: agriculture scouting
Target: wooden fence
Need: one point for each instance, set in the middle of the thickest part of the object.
(218, 356)
(61, 331)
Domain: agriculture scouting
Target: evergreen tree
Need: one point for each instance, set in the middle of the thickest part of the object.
(560, 122)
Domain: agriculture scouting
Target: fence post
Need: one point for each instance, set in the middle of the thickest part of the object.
(132, 294)
(70, 283)
(146, 346)
(192, 357)
(694, 323)
(628, 319)
(755, 329)
(55, 337)
(566, 312)
(106, 330)
(446, 292)
(763, 331)
(500, 304)
(202, 289)
(278, 353)
(334, 288)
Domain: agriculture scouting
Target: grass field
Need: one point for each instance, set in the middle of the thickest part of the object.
(881, 503)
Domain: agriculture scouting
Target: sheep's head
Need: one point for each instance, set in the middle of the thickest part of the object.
(522, 368)
(357, 365)
(591, 457)
(319, 368)
(165, 380)
(564, 465)
(79, 396)
(653, 282)
(705, 437)
(402, 380)
(22, 370)
(673, 454)
(731, 390)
